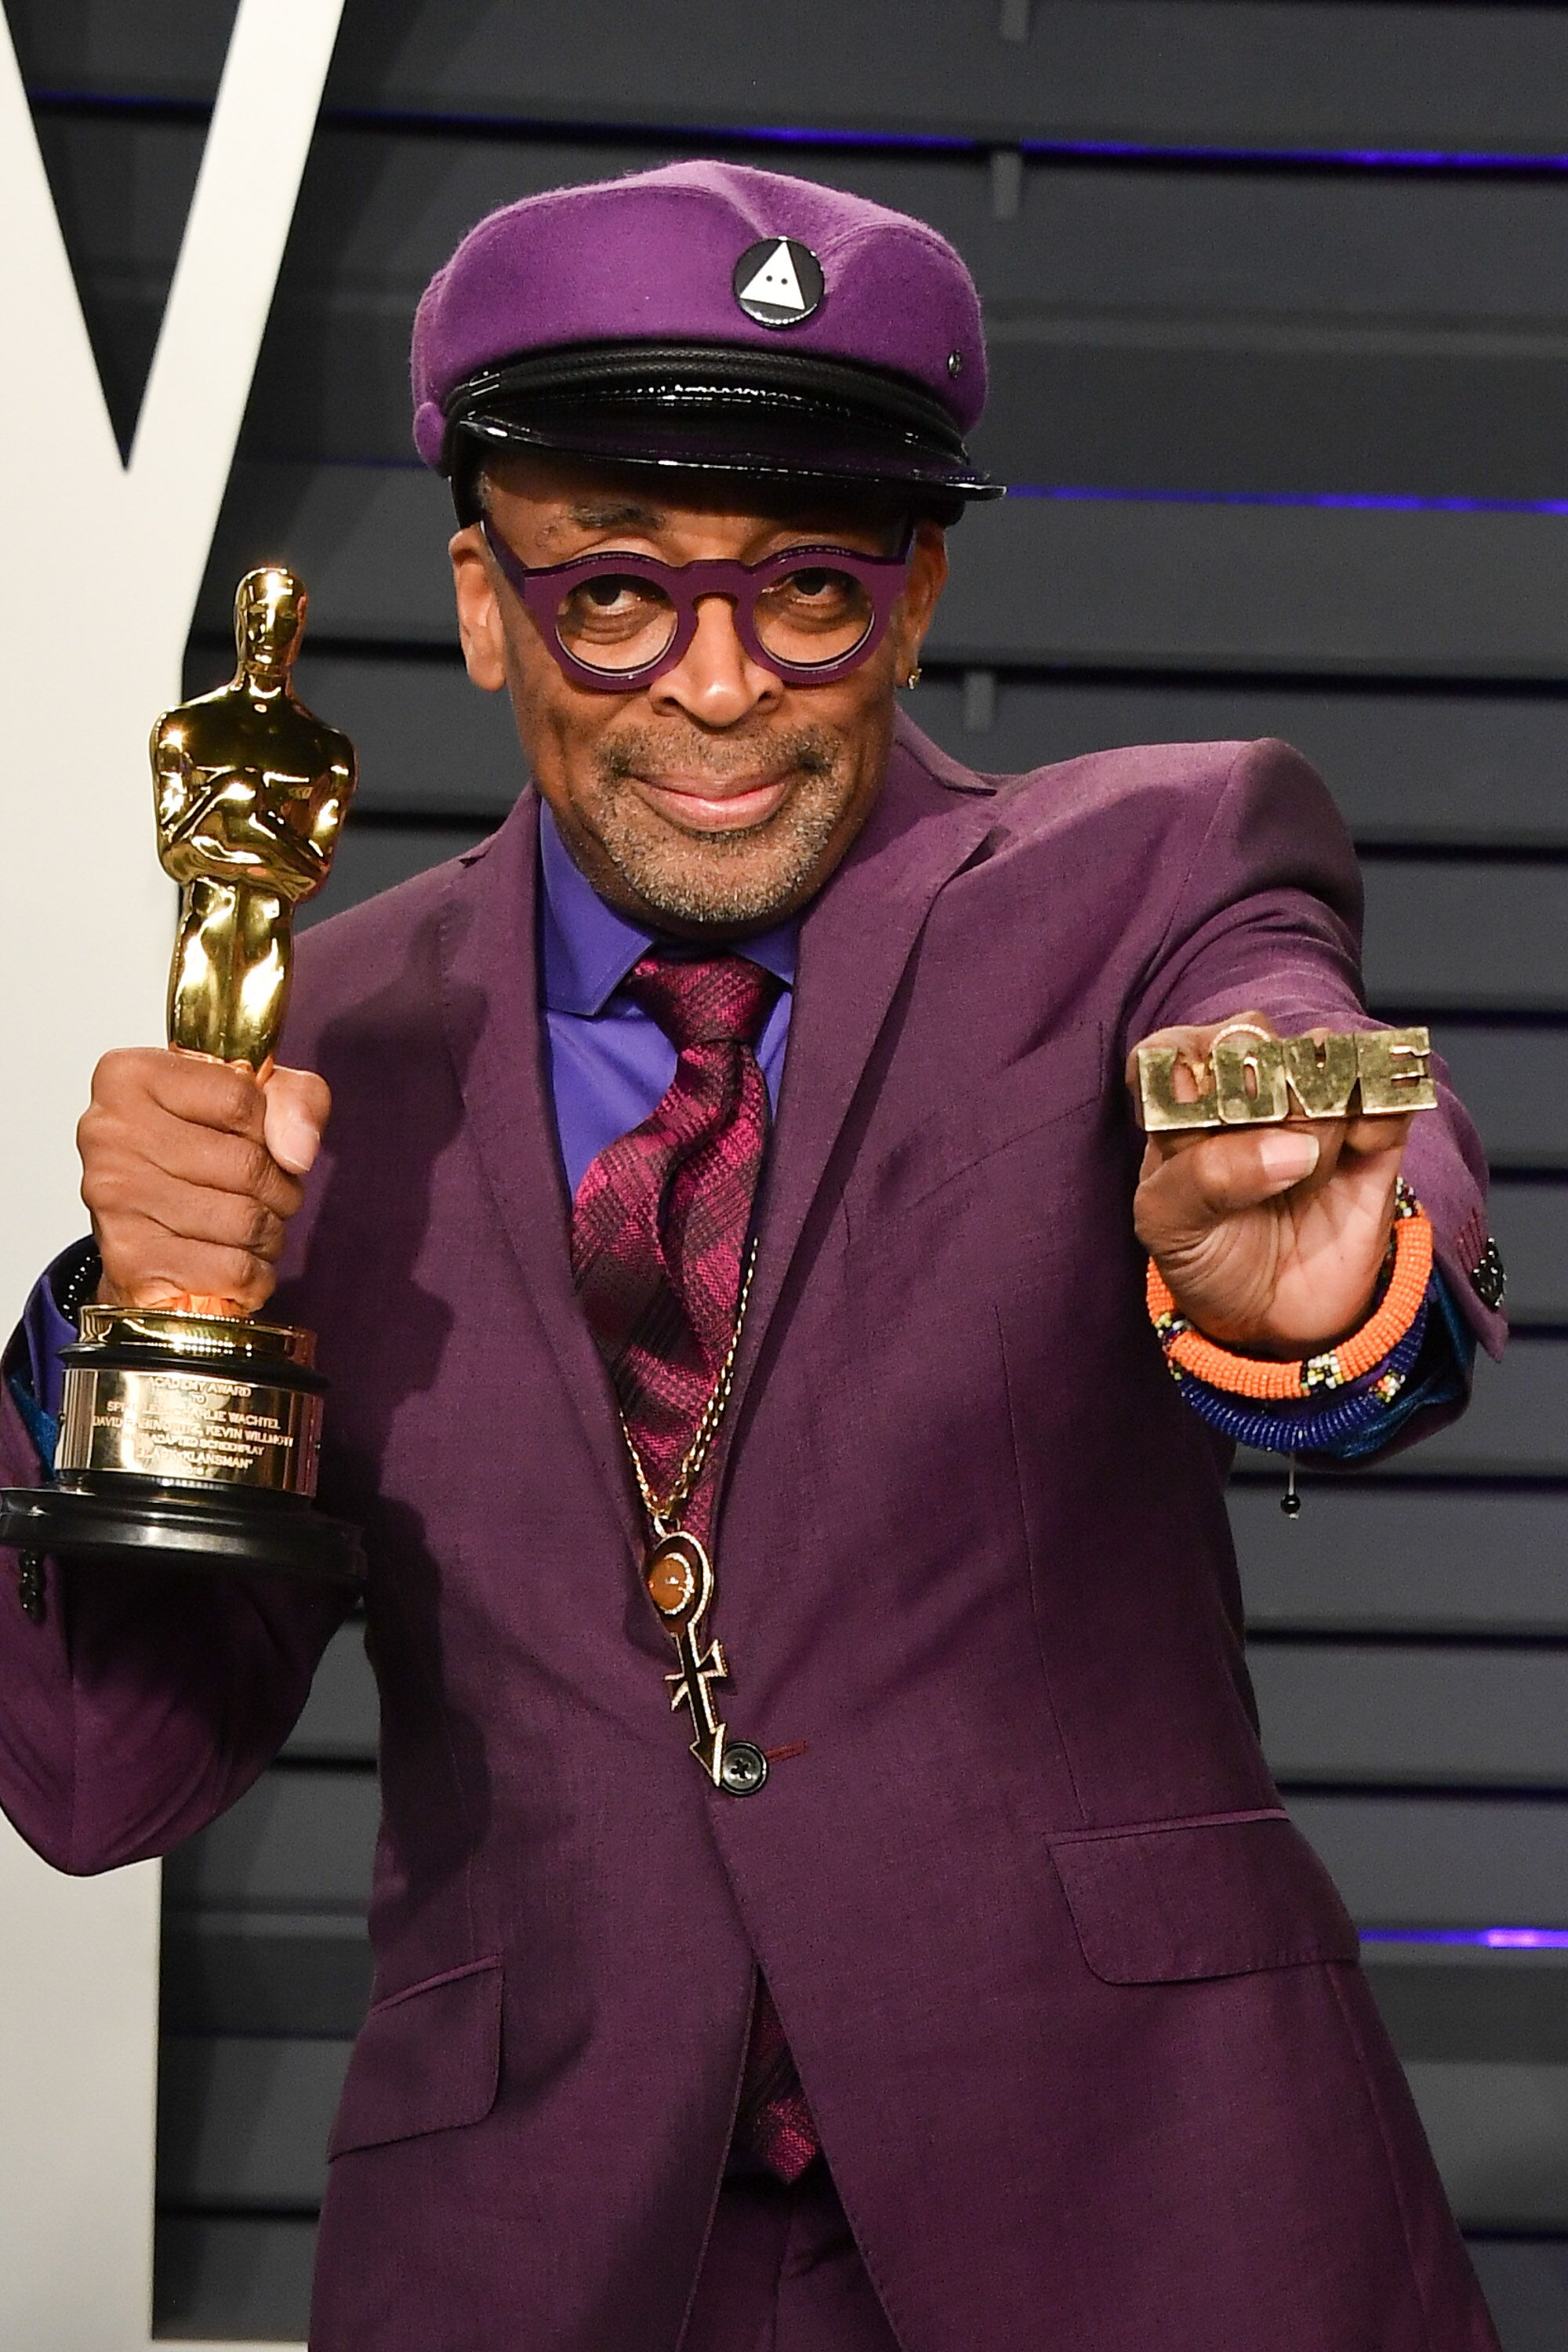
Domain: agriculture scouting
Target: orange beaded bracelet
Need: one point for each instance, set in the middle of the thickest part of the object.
(1255, 1376)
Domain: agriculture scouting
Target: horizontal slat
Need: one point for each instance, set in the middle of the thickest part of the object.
(1526, 2285)
(227, 2278)
(242, 2121)
(1530, 1223)
(299, 1841)
(1258, 73)
(429, 743)
(1036, 581)
(1135, 583)
(1416, 1717)
(1514, 1083)
(1457, 1861)
(141, 48)
(1501, 2138)
(1444, 2002)
(1413, 766)
(1170, 71)
(1443, 934)
(299, 1973)
(339, 1718)
(1376, 1558)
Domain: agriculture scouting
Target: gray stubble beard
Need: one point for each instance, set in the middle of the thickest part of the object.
(690, 884)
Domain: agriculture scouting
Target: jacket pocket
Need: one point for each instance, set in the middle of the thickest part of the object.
(1160, 1904)
(426, 2059)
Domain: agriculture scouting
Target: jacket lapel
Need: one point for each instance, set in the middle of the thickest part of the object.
(494, 1022)
(855, 943)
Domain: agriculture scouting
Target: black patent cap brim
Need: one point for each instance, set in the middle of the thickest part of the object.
(724, 413)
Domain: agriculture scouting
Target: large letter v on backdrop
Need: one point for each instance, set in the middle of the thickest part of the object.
(99, 566)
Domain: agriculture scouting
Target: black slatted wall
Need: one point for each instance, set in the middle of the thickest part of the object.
(1279, 302)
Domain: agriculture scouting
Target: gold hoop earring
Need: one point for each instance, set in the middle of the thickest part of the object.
(914, 676)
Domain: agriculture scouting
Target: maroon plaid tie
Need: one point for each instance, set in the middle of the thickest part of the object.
(659, 1236)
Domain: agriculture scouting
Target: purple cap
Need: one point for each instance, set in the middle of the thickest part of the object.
(708, 317)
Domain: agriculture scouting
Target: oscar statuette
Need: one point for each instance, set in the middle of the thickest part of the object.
(189, 1432)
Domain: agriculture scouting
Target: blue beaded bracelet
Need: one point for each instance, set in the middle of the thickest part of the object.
(1290, 1429)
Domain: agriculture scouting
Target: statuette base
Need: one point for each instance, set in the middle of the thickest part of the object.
(189, 1439)
(169, 1526)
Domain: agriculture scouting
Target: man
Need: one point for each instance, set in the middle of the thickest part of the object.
(729, 1175)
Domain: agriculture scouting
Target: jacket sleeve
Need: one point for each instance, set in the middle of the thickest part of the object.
(1266, 915)
(146, 1699)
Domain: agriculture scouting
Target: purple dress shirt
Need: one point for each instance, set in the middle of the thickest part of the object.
(608, 1062)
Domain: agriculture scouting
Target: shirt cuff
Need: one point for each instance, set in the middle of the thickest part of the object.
(1440, 1375)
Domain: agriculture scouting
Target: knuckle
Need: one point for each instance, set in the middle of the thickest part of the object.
(104, 1189)
(239, 1271)
(257, 1227)
(120, 1072)
(236, 1099)
(283, 1194)
(253, 1169)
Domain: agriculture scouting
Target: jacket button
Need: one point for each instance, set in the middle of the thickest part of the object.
(1489, 1279)
(744, 1768)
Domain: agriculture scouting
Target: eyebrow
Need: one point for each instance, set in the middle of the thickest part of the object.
(616, 514)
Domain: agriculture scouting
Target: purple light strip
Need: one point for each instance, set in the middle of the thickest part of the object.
(1492, 1940)
(1370, 502)
(1115, 151)
(1353, 159)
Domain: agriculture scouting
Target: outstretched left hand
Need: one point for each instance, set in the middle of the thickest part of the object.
(1271, 1238)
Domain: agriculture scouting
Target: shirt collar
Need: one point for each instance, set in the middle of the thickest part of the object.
(586, 948)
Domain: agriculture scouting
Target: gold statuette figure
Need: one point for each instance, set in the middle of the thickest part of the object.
(188, 1432)
(251, 791)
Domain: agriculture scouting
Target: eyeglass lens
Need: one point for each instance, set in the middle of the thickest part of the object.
(617, 622)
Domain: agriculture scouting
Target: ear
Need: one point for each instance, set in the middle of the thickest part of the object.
(479, 610)
(928, 575)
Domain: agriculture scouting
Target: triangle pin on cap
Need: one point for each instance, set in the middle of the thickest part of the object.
(779, 282)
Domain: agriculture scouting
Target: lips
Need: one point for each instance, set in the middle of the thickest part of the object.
(709, 804)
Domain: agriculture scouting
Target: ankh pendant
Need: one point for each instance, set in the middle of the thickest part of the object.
(679, 1576)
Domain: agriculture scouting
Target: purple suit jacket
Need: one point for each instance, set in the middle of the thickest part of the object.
(1078, 2011)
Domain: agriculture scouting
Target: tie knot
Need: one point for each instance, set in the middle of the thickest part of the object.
(703, 1000)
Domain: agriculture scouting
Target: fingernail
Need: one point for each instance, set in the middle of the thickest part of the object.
(1288, 1154)
(295, 1140)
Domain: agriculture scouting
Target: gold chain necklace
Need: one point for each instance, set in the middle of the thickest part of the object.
(664, 1518)
(678, 1573)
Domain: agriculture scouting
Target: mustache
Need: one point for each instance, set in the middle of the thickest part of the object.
(650, 753)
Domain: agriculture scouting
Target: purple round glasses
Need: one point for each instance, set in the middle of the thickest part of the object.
(617, 621)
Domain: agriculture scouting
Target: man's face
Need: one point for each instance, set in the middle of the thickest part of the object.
(718, 798)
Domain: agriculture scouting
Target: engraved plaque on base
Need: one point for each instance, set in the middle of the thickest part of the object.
(191, 1437)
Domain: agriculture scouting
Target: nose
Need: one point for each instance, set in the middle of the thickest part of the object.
(716, 682)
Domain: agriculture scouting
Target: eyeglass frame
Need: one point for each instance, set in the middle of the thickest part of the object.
(538, 587)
